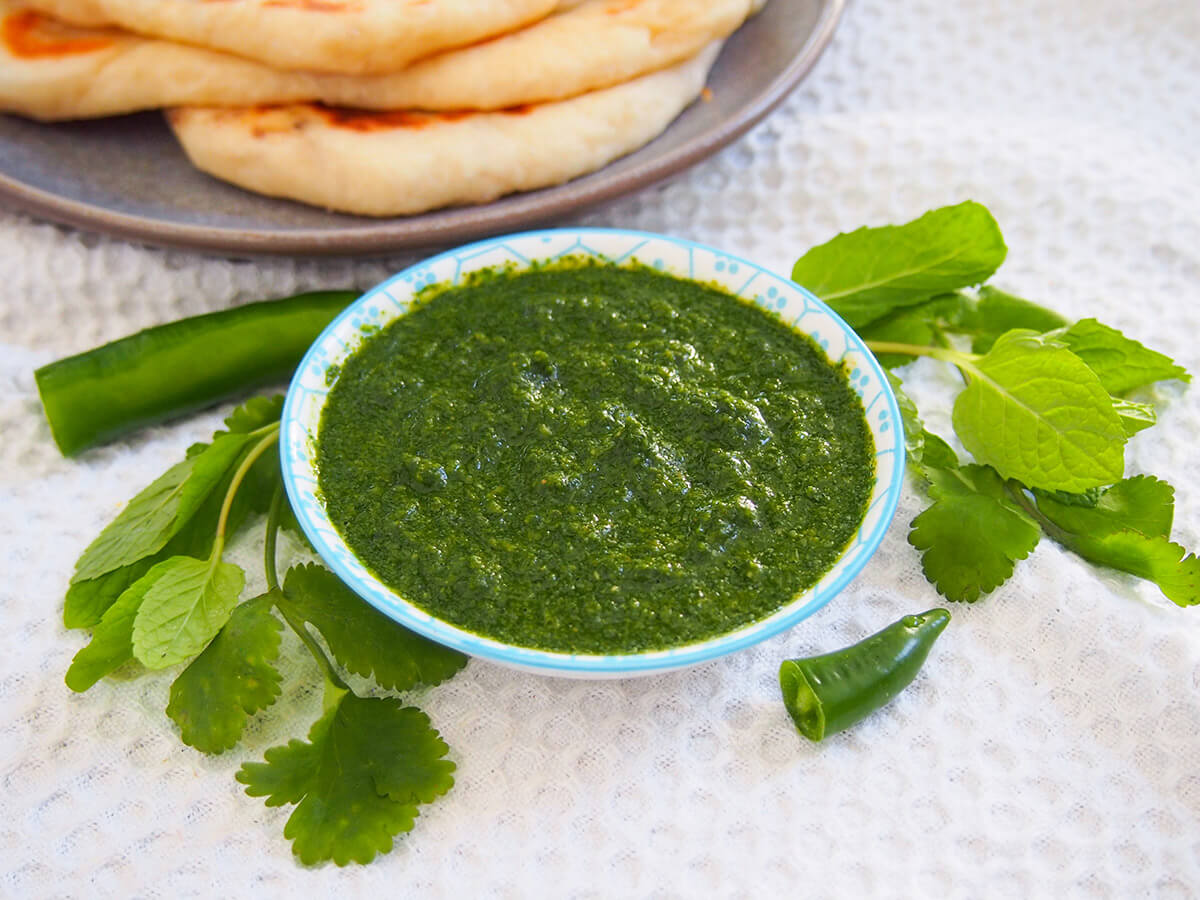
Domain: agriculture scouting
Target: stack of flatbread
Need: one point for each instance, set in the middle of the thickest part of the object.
(375, 107)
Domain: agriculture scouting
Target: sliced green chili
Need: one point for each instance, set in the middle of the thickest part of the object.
(173, 369)
(829, 693)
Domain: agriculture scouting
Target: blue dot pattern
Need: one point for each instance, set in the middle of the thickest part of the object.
(392, 298)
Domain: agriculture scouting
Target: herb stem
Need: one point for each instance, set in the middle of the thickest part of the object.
(271, 435)
(314, 648)
(945, 354)
(273, 516)
(1017, 491)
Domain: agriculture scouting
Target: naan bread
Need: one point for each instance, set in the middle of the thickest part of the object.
(100, 72)
(350, 36)
(385, 164)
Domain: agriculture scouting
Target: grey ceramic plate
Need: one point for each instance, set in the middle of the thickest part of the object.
(128, 177)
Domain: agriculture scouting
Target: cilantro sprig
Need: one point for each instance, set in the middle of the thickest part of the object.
(1044, 412)
(158, 592)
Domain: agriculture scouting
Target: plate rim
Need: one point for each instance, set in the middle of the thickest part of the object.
(437, 228)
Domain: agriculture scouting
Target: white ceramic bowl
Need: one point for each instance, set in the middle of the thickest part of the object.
(796, 306)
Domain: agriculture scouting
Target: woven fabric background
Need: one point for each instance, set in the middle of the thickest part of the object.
(1051, 745)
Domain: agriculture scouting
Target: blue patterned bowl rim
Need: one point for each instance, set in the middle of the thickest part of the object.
(795, 305)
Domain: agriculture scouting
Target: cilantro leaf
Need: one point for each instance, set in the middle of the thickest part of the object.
(233, 678)
(1128, 528)
(1033, 411)
(112, 641)
(867, 273)
(364, 640)
(161, 510)
(187, 603)
(1121, 363)
(997, 312)
(914, 430)
(254, 414)
(936, 453)
(1143, 503)
(358, 781)
(973, 534)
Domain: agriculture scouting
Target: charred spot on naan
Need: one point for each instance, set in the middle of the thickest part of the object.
(321, 6)
(368, 120)
(265, 121)
(30, 35)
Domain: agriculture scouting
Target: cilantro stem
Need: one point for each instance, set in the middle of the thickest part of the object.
(273, 515)
(1017, 491)
(280, 598)
(331, 675)
(271, 435)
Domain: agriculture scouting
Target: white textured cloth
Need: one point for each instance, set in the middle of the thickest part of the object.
(1051, 745)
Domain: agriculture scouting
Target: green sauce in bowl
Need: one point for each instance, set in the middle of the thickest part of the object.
(586, 458)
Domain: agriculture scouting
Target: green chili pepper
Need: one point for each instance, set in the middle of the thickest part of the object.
(180, 367)
(829, 693)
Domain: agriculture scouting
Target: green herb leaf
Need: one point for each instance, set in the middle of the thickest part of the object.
(1134, 416)
(997, 312)
(973, 534)
(1128, 528)
(920, 325)
(1036, 413)
(1121, 363)
(255, 413)
(112, 641)
(87, 601)
(1143, 503)
(914, 430)
(186, 605)
(358, 781)
(364, 640)
(161, 510)
(865, 274)
(937, 454)
(233, 678)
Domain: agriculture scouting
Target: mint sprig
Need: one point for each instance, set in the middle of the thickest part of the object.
(1043, 411)
(157, 589)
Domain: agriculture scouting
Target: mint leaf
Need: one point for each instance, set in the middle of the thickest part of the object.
(1121, 363)
(997, 312)
(187, 603)
(867, 273)
(920, 325)
(973, 534)
(1134, 416)
(358, 781)
(233, 678)
(112, 641)
(87, 600)
(364, 640)
(161, 510)
(1036, 413)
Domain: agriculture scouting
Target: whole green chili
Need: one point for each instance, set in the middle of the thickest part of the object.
(829, 693)
(180, 367)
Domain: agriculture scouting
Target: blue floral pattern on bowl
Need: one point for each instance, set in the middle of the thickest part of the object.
(795, 305)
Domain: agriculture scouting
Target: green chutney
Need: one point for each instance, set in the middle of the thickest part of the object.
(595, 459)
